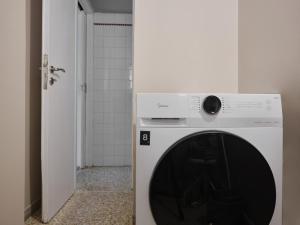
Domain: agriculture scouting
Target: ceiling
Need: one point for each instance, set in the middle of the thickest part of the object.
(112, 6)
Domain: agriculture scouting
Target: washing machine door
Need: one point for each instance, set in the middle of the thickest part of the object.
(212, 178)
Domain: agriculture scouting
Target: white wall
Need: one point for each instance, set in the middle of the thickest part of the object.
(13, 95)
(269, 55)
(111, 93)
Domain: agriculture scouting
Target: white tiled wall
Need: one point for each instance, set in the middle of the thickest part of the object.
(112, 94)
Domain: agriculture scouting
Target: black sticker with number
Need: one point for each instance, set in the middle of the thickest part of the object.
(145, 138)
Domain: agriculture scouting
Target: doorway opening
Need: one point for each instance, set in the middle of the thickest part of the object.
(103, 120)
(104, 154)
(109, 89)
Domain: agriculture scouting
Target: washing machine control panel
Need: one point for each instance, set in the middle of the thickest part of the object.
(209, 110)
(239, 105)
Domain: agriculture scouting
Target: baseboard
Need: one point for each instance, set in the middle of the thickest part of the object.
(30, 209)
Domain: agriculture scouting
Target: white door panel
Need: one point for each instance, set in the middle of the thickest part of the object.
(58, 106)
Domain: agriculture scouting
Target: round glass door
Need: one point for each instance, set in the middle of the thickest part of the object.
(212, 178)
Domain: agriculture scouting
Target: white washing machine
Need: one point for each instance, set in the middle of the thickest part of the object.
(209, 159)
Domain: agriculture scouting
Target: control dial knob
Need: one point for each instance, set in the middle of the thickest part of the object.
(212, 105)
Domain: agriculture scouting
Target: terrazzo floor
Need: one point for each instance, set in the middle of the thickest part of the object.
(103, 197)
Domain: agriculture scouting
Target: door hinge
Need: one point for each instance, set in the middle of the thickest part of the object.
(84, 88)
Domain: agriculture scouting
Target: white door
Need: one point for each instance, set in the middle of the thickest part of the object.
(58, 104)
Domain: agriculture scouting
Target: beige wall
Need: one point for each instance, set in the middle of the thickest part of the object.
(269, 61)
(12, 111)
(184, 46)
(33, 107)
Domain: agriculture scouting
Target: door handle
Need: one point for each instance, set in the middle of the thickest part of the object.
(56, 69)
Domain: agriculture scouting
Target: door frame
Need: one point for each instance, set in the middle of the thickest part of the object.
(81, 91)
(90, 88)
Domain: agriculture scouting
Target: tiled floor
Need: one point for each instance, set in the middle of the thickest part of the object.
(103, 197)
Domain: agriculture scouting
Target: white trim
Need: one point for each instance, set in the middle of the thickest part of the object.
(87, 6)
(83, 153)
(75, 94)
(133, 115)
(80, 94)
(89, 95)
(31, 208)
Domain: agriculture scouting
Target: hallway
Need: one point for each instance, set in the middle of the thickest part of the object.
(103, 197)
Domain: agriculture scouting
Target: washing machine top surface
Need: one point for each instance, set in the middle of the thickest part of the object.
(209, 110)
